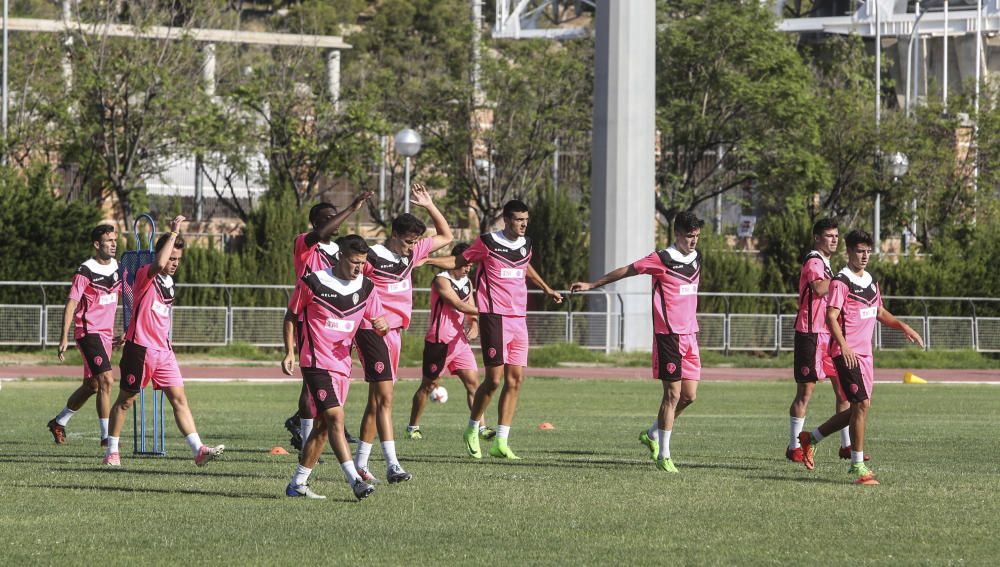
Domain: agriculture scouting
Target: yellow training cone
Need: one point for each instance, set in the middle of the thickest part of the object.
(911, 378)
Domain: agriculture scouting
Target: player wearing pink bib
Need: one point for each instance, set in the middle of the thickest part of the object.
(390, 266)
(854, 305)
(332, 305)
(502, 298)
(90, 309)
(313, 251)
(676, 274)
(446, 344)
(812, 338)
(147, 355)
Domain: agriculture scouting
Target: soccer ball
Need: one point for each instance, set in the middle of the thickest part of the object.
(439, 395)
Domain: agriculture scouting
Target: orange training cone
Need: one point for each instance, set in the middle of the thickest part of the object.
(911, 378)
(278, 451)
(546, 425)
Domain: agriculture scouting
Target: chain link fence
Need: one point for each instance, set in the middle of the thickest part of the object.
(728, 321)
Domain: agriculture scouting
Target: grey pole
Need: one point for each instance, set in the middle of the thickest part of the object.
(6, 95)
(555, 167)
(622, 213)
(877, 221)
(208, 83)
(333, 77)
(944, 82)
(383, 141)
(477, 31)
(406, 185)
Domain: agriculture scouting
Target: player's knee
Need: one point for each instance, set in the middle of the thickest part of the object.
(863, 405)
(688, 399)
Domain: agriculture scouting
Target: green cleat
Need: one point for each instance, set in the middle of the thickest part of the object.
(486, 433)
(862, 474)
(500, 450)
(472, 443)
(666, 465)
(414, 433)
(651, 444)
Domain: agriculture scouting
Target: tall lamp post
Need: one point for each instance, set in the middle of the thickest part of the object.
(899, 164)
(408, 144)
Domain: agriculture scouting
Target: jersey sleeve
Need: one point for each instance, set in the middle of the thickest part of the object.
(477, 252)
(78, 286)
(814, 269)
(837, 295)
(374, 309)
(300, 298)
(143, 279)
(650, 264)
(422, 249)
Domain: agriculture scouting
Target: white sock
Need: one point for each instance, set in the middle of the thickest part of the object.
(112, 445)
(64, 415)
(104, 427)
(663, 437)
(845, 436)
(194, 441)
(389, 453)
(651, 432)
(482, 426)
(361, 456)
(795, 427)
(817, 436)
(350, 471)
(857, 457)
(412, 428)
(503, 431)
(474, 423)
(301, 475)
(305, 428)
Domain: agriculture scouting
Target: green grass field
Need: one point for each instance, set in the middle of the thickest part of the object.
(585, 493)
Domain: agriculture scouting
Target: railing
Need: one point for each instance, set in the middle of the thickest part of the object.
(729, 321)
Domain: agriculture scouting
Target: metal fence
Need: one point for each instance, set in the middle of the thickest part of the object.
(594, 323)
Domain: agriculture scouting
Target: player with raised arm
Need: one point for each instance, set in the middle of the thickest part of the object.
(390, 266)
(314, 251)
(446, 344)
(854, 305)
(676, 275)
(504, 259)
(90, 309)
(812, 337)
(331, 305)
(148, 356)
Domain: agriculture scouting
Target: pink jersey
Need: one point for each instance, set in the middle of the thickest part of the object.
(319, 256)
(675, 289)
(859, 300)
(391, 274)
(153, 300)
(503, 265)
(332, 310)
(446, 321)
(812, 308)
(95, 288)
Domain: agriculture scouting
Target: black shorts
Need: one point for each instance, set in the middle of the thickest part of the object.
(491, 338)
(132, 367)
(435, 356)
(805, 357)
(852, 381)
(322, 388)
(95, 356)
(668, 357)
(374, 354)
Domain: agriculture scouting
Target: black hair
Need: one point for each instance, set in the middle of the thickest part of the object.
(514, 206)
(352, 244)
(856, 237)
(316, 210)
(823, 225)
(162, 241)
(99, 231)
(406, 224)
(459, 248)
(687, 221)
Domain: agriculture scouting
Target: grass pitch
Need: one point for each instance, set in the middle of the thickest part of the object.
(585, 493)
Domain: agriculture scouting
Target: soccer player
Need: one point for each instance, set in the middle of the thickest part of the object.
(331, 305)
(446, 345)
(148, 356)
(812, 338)
(854, 304)
(314, 251)
(676, 274)
(90, 308)
(504, 260)
(389, 267)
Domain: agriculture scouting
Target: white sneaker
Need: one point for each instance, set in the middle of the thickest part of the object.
(302, 491)
(207, 453)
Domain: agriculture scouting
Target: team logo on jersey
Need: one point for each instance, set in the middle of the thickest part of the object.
(804, 370)
(355, 298)
(493, 352)
(379, 367)
(98, 360)
(465, 289)
(854, 388)
(405, 261)
(114, 276)
(524, 251)
(434, 367)
(671, 367)
(131, 378)
(321, 395)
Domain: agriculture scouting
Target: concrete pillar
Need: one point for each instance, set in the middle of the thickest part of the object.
(622, 180)
(333, 76)
(208, 69)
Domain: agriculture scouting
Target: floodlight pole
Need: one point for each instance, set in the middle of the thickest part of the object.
(877, 221)
(6, 95)
(406, 184)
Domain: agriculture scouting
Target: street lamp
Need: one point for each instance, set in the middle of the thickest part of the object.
(899, 164)
(407, 145)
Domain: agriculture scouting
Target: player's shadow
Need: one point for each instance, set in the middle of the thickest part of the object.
(147, 490)
(159, 472)
(805, 479)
